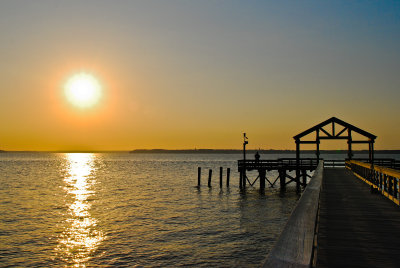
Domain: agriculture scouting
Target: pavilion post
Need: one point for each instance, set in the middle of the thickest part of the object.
(349, 150)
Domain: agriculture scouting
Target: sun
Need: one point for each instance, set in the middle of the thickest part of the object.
(83, 90)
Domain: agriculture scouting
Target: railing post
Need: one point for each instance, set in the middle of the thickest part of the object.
(385, 182)
(385, 179)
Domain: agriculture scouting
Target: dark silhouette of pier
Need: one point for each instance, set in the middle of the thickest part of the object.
(331, 129)
(348, 214)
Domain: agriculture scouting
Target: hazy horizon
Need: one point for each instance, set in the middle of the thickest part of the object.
(154, 150)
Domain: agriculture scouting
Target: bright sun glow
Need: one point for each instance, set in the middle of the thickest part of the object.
(83, 90)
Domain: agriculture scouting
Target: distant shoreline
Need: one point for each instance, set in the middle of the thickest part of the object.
(212, 151)
(236, 151)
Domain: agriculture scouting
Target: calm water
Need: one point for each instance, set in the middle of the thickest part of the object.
(133, 210)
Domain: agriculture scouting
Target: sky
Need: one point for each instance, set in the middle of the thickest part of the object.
(197, 74)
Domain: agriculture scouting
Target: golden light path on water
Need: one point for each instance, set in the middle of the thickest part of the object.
(80, 237)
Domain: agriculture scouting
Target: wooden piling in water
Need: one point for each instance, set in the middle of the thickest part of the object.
(304, 173)
(209, 177)
(228, 174)
(241, 180)
(282, 179)
(220, 177)
(262, 173)
(198, 176)
(298, 181)
(244, 179)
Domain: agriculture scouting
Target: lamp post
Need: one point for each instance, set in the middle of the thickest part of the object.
(245, 142)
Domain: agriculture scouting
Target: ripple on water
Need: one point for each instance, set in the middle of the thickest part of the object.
(132, 210)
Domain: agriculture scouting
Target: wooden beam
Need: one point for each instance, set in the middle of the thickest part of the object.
(343, 130)
(308, 142)
(323, 130)
(334, 138)
(360, 142)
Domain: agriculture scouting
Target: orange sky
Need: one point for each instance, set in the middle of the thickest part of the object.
(196, 75)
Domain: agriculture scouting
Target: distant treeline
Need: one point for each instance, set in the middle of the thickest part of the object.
(234, 151)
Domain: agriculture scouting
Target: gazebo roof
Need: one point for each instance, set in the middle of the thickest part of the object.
(335, 120)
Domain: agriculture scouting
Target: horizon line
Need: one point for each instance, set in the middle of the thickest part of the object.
(186, 150)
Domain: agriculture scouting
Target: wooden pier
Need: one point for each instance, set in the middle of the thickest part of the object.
(282, 165)
(331, 129)
(347, 216)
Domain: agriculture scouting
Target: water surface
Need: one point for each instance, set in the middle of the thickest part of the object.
(144, 210)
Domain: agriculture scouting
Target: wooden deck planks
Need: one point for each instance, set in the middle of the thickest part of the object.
(356, 228)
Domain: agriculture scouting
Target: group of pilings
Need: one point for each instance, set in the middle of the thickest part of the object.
(228, 174)
(300, 178)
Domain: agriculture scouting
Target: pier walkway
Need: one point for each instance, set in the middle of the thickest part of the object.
(356, 228)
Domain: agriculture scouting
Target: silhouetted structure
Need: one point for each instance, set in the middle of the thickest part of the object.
(327, 130)
(337, 222)
(332, 134)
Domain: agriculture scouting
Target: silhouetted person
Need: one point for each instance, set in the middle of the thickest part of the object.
(257, 157)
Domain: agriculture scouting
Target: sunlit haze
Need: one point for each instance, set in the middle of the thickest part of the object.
(123, 75)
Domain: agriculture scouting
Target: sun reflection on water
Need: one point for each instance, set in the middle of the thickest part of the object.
(81, 237)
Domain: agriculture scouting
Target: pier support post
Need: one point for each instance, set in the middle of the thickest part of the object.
(282, 179)
(228, 174)
(209, 177)
(262, 173)
(304, 173)
(220, 177)
(298, 165)
(198, 176)
(241, 179)
(244, 179)
(298, 184)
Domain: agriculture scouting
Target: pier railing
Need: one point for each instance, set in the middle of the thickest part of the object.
(296, 244)
(334, 163)
(385, 180)
(383, 162)
(310, 163)
(281, 163)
